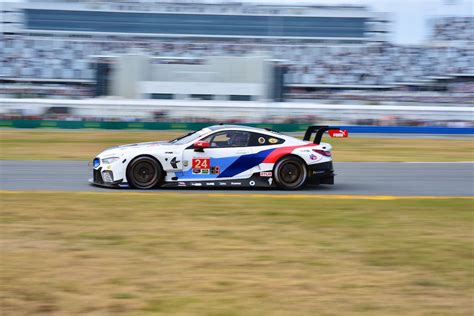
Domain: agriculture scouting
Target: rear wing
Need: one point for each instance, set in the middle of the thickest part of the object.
(320, 130)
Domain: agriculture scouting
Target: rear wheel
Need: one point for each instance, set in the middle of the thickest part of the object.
(290, 173)
(144, 173)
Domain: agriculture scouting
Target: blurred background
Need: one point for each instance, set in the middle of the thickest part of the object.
(345, 62)
(393, 236)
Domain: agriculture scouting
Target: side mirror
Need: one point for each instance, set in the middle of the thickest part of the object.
(200, 145)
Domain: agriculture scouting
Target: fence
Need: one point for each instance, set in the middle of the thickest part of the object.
(195, 126)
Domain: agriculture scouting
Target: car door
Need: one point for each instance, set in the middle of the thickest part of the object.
(224, 159)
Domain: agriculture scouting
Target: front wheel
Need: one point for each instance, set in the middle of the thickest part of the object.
(144, 173)
(290, 173)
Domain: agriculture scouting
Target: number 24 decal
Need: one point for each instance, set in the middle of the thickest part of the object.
(201, 163)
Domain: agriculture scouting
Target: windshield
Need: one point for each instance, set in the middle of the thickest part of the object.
(189, 137)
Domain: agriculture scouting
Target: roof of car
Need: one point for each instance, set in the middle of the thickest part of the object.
(224, 126)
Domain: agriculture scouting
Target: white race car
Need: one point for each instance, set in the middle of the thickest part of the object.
(221, 156)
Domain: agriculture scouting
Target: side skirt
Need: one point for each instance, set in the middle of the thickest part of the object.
(255, 181)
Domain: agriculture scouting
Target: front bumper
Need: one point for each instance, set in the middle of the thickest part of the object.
(107, 184)
(98, 180)
(322, 173)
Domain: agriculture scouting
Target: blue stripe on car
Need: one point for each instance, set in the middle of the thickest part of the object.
(245, 162)
(230, 166)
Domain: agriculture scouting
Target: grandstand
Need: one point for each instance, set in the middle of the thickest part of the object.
(448, 29)
(53, 48)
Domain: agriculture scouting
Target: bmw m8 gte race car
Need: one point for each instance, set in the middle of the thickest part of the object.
(221, 156)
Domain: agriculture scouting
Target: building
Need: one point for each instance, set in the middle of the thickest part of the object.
(185, 19)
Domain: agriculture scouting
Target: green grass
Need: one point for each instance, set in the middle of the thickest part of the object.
(186, 254)
(85, 144)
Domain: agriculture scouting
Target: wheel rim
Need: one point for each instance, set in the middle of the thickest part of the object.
(144, 173)
(291, 173)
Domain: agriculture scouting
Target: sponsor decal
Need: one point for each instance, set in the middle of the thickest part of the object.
(210, 183)
(273, 140)
(252, 183)
(223, 184)
(236, 183)
(215, 170)
(314, 157)
(168, 152)
(261, 140)
(185, 163)
(270, 181)
(174, 163)
(266, 174)
(201, 165)
(338, 133)
(196, 184)
(181, 184)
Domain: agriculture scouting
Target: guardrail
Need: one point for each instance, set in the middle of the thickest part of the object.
(195, 126)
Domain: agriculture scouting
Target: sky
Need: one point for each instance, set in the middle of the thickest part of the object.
(410, 17)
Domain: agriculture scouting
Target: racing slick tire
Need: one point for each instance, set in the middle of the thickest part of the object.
(290, 173)
(144, 173)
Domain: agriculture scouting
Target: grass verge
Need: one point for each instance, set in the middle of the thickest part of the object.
(152, 254)
(84, 145)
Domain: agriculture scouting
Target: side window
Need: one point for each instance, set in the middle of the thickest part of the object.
(228, 139)
(258, 139)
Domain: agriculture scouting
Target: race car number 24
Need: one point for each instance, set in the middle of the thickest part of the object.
(201, 164)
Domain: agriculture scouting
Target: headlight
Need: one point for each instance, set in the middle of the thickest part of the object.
(110, 160)
(96, 162)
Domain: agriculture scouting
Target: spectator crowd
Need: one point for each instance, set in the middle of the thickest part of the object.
(453, 29)
(372, 64)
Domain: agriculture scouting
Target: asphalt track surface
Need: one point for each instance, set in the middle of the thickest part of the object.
(395, 179)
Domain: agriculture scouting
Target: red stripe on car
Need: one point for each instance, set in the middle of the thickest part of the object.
(280, 152)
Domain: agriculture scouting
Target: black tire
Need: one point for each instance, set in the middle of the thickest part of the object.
(144, 173)
(290, 173)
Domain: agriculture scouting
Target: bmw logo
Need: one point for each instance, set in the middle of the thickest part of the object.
(252, 183)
